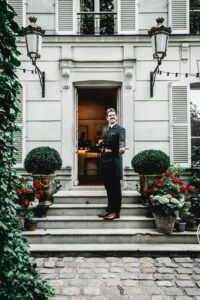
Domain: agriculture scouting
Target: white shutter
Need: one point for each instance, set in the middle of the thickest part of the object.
(66, 16)
(127, 16)
(180, 136)
(19, 136)
(179, 16)
(19, 7)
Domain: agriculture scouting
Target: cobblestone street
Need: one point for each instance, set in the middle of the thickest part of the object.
(128, 278)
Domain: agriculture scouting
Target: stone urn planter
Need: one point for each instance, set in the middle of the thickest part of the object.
(165, 224)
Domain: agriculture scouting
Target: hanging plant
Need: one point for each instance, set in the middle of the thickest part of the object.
(19, 279)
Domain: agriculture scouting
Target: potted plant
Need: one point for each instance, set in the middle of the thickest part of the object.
(42, 162)
(30, 224)
(165, 210)
(150, 164)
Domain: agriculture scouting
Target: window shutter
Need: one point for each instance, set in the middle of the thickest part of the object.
(127, 16)
(179, 16)
(19, 136)
(180, 144)
(66, 16)
(19, 7)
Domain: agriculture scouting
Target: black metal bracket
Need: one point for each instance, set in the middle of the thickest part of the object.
(41, 78)
(153, 76)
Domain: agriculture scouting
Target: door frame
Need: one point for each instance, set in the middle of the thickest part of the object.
(92, 85)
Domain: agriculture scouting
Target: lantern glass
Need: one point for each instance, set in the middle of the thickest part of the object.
(159, 44)
(34, 45)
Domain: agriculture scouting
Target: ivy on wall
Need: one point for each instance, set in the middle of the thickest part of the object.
(19, 279)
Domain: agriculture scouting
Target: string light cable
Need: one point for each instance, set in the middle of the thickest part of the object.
(176, 74)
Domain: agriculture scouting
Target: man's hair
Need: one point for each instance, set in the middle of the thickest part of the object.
(110, 110)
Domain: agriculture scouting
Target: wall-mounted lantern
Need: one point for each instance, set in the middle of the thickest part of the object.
(159, 40)
(33, 37)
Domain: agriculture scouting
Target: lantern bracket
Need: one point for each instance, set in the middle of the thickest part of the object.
(153, 76)
(41, 76)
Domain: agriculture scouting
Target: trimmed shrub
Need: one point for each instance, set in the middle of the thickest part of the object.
(150, 162)
(42, 160)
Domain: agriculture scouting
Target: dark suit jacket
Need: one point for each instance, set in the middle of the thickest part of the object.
(114, 139)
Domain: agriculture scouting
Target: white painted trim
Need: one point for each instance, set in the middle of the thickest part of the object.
(75, 10)
(24, 12)
(119, 19)
(170, 18)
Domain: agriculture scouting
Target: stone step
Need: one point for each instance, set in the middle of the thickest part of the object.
(108, 236)
(119, 249)
(75, 222)
(93, 209)
(93, 197)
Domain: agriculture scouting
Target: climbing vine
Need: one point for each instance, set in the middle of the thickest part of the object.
(19, 279)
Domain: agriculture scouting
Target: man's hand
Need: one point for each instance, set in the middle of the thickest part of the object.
(122, 150)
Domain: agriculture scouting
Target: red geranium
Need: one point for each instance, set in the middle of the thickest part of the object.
(190, 188)
(167, 174)
(175, 180)
(173, 194)
(22, 179)
(183, 189)
(148, 191)
(181, 182)
(37, 184)
(18, 191)
(161, 181)
(25, 203)
(156, 183)
(38, 196)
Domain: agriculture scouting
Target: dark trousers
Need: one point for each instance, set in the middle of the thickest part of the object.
(113, 187)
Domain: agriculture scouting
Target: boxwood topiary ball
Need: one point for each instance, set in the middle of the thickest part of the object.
(42, 160)
(150, 162)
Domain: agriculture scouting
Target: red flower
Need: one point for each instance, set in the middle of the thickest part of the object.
(22, 179)
(25, 203)
(190, 188)
(161, 181)
(38, 196)
(148, 191)
(183, 189)
(24, 191)
(177, 175)
(37, 184)
(18, 191)
(167, 174)
(28, 179)
(181, 182)
(156, 183)
(173, 194)
(175, 180)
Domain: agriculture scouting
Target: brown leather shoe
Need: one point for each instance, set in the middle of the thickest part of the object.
(102, 215)
(112, 216)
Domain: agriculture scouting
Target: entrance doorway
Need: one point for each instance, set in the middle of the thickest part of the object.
(92, 106)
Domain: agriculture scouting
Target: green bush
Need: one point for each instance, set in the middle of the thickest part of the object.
(196, 157)
(150, 162)
(42, 160)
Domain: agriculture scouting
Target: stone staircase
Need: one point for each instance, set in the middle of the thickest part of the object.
(72, 226)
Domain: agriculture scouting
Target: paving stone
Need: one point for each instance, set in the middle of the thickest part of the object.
(95, 259)
(185, 283)
(147, 270)
(187, 265)
(139, 297)
(161, 298)
(145, 283)
(172, 291)
(56, 283)
(39, 261)
(60, 298)
(198, 283)
(116, 270)
(154, 291)
(164, 260)
(146, 259)
(196, 277)
(133, 291)
(91, 291)
(67, 270)
(130, 276)
(171, 265)
(197, 270)
(144, 276)
(112, 282)
(49, 276)
(184, 271)
(80, 259)
(79, 298)
(182, 259)
(163, 276)
(71, 291)
(67, 259)
(128, 282)
(52, 258)
(78, 282)
(183, 276)
(83, 270)
(50, 264)
(110, 258)
(183, 298)
(192, 291)
(132, 270)
(165, 270)
(164, 283)
(101, 270)
(130, 259)
(98, 298)
(88, 276)
(109, 275)
(66, 276)
(60, 264)
(47, 271)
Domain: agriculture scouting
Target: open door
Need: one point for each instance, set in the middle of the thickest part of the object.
(91, 118)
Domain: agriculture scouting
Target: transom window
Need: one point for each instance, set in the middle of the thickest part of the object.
(195, 16)
(97, 17)
(195, 115)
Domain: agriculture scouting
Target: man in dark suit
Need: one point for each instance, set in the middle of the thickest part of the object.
(113, 146)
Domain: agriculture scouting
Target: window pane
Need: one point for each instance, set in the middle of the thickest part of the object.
(106, 5)
(195, 16)
(195, 112)
(87, 5)
(196, 142)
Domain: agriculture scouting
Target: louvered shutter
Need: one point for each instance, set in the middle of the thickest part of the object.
(19, 136)
(127, 16)
(66, 16)
(180, 143)
(179, 16)
(19, 7)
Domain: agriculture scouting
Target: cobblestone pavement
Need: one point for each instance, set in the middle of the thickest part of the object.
(128, 278)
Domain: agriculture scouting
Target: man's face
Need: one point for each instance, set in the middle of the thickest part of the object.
(111, 118)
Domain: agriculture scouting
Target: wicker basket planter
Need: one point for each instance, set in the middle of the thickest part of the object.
(165, 224)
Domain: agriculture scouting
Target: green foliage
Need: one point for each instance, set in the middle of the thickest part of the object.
(150, 162)
(42, 160)
(196, 157)
(166, 205)
(19, 279)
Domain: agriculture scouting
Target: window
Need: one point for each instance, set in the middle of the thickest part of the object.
(195, 16)
(195, 115)
(97, 17)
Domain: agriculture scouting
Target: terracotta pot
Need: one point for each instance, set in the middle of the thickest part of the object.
(32, 226)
